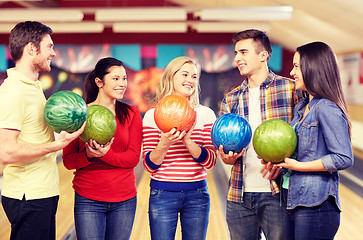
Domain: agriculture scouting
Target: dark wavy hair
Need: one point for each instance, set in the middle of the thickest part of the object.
(259, 37)
(321, 74)
(24, 33)
(102, 68)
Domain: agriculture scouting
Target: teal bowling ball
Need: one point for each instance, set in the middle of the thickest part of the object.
(101, 125)
(65, 111)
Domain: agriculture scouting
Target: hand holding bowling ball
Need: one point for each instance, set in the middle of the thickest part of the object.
(274, 140)
(231, 131)
(101, 125)
(174, 111)
(65, 111)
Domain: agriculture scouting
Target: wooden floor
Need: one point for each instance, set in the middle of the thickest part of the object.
(351, 227)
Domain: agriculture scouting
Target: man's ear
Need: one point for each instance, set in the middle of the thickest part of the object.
(98, 82)
(31, 49)
(264, 56)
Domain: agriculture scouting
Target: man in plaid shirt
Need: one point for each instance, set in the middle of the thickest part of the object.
(253, 202)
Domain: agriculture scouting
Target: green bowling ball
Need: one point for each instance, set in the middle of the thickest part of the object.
(274, 140)
(65, 111)
(101, 125)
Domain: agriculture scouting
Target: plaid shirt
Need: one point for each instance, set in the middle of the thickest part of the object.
(278, 98)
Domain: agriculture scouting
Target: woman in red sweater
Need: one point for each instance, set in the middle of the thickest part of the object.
(104, 180)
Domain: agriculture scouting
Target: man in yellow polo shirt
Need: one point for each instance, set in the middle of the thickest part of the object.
(30, 190)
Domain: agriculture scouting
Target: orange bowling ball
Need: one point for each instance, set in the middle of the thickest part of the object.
(174, 111)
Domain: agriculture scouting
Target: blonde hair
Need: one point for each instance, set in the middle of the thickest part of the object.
(166, 83)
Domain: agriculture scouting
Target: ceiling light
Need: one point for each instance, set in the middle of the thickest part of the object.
(50, 15)
(20, 0)
(6, 27)
(228, 27)
(84, 27)
(141, 14)
(150, 27)
(246, 13)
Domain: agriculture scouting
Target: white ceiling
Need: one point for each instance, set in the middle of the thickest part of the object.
(336, 22)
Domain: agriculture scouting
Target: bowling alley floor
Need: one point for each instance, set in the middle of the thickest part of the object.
(351, 218)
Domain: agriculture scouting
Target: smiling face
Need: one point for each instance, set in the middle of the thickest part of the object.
(249, 60)
(114, 83)
(296, 73)
(185, 80)
(44, 55)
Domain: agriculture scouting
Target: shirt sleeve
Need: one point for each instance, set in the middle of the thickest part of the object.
(224, 107)
(151, 135)
(208, 156)
(74, 155)
(334, 127)
(130, 157)
(12, 109)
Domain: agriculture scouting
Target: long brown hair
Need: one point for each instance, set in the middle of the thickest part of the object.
(321, 74)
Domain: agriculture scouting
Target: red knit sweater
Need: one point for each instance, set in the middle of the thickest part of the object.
(112, 177)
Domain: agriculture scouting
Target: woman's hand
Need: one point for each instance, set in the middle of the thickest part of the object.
(95, 150)
(171, 137)
(289, 163)
(167, 139)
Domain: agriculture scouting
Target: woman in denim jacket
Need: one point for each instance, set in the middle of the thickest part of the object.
(322, 127)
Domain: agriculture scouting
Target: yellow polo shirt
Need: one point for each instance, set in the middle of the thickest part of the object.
(21, 107)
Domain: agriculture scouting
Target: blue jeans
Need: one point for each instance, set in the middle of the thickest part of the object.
(313, 223)
(103, 220)
(259, 211)
(166, 206)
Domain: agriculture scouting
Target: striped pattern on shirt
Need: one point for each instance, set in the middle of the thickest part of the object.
(178, 164)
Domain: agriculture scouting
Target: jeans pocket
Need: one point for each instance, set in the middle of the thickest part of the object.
(204, 191)
(154, 193)
(334, 214)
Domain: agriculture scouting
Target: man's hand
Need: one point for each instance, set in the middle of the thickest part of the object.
(64, 138)
(269, 168)
(229, 158)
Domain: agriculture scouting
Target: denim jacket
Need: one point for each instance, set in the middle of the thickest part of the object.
(323, 134)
